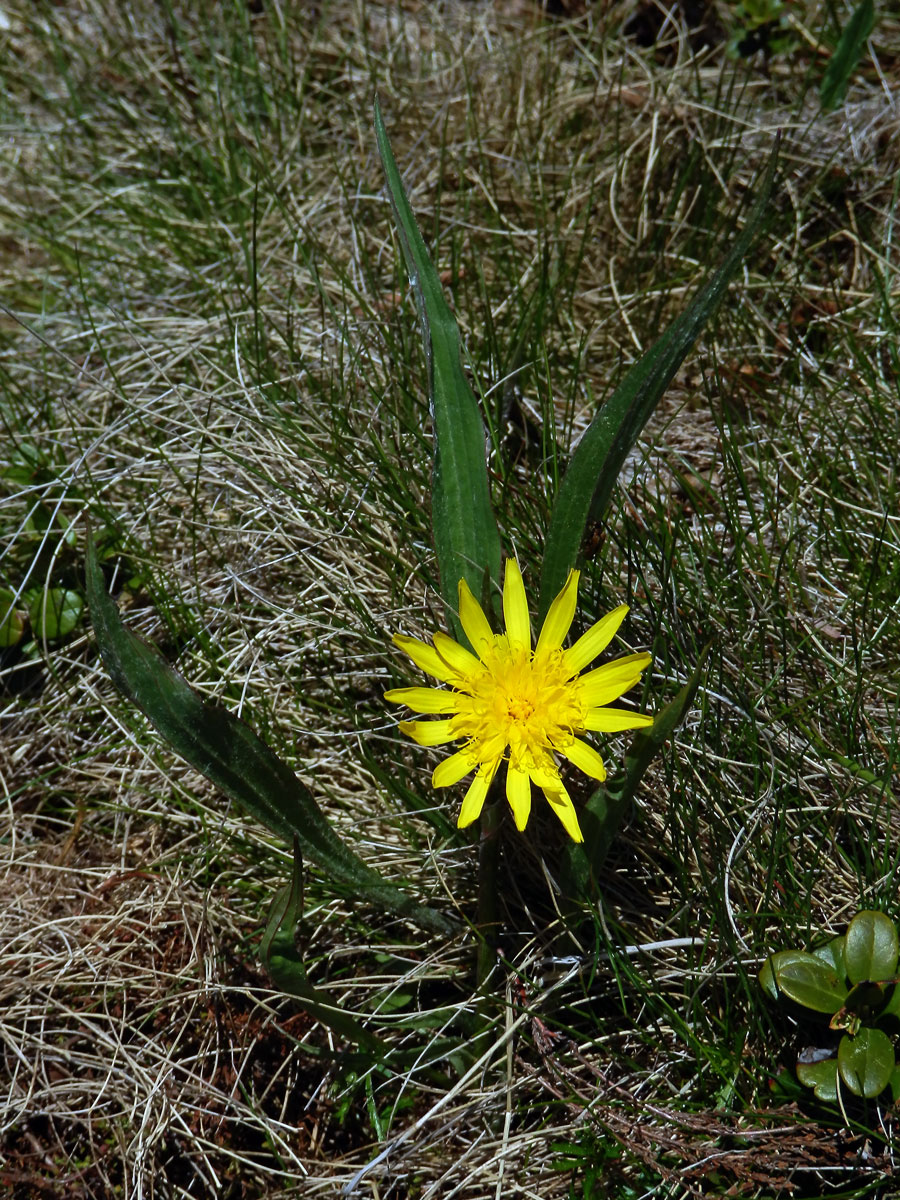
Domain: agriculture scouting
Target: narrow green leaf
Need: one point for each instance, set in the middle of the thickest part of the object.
(227, 751)
(289, 976)
(767, 980)
(286, 909)
(589, 481)
(846, 55)
(285, 968)
(466, 539)
(866, 1062)
(808, 980)
(603, 815)
(870, 947)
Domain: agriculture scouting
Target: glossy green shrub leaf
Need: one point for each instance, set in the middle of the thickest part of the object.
(833, 954)
(866, 1062)
(867, 1000)
(12, 620)
(846, 55)
(892, 1007)
(54, 613)
(807, 980)
(822, 1076)
(466, 538)
(227, 751)
(594, 468)
(870, 947)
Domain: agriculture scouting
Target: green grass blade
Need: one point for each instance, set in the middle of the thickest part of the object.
(592, 473)
(846, 55)
(466, 539)
(227, 751)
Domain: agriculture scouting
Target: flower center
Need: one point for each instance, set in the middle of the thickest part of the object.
(519, 709)
(518, 703)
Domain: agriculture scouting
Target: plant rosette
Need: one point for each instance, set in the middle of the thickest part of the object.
(853, 978)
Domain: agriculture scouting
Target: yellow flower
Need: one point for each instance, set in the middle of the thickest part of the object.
(511, 703)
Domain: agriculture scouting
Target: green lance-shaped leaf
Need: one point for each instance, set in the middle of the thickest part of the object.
(466, 539)
(866, 1062)
(592, 473)
(279, 955)
(805, 979)
(846, 54)
(870, 947)
(227, 751)
(602, 816)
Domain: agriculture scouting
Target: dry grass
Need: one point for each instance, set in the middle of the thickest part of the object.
(209, 344)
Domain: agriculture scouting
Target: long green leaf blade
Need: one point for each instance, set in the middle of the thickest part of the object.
(604, 813)
(846, 55)
(466, 539)
(284, 965)
(596, 463)
(227, 751)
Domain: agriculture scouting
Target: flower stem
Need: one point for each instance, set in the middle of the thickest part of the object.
(488, 909)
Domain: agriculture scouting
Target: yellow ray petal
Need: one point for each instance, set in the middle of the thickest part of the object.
(452, 769)
(457, 657)
(423, 700)
(518, 793)
(430, 733)
(473, 620)
(585, 758)
(561, 803)
(595, 641)
(546, 776)
(612, 680)
(474, 798)
(426, 658)
(559, 618)
(614, 720)
(515, 607)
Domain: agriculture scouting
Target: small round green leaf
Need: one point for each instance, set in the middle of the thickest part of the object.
(866, 1062)
(821, 1076)
(870, 947)
(55, 613)
(808, 980)
(12, 621)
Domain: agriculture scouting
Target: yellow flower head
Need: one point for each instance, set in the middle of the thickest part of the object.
(509, 702)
